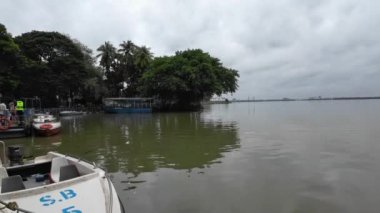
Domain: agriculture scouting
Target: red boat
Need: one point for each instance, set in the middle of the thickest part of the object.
(46, 125)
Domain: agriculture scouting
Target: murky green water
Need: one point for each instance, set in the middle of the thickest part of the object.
(242, 157)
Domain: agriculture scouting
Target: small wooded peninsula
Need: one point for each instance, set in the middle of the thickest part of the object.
(56, 68)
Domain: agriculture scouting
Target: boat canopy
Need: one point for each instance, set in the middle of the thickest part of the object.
(128, 102)
(128, 99)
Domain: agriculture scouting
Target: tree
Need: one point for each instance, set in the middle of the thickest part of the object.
(56, 70)
(128, 49)
(127, 66)
(93, 86)
(112, 63)
(182, 81)
(10, 61)
(107, 56)
(142, 57)
(124, 67)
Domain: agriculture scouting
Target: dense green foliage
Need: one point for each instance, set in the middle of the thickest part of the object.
(124, 67)
(182, 81)
(57, 67)
(93, 86)
(10, 61)
(63, 71)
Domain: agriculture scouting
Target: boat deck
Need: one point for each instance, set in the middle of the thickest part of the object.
(43, 171)
(33, 175)
(36, 181)
(58, 183)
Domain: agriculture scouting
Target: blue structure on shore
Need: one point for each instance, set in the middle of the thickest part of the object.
(127, 105)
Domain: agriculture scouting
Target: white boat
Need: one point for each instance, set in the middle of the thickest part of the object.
(71, 113)
(57, 183)
(46, 125)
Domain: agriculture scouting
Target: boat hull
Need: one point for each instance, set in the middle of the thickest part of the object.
(71, 113)
(15, 132)
(116, 110)
(47, 129)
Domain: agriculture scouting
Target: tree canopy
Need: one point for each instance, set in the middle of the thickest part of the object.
(10, 61)
(185, 79)
(57, 69)
(124, 66)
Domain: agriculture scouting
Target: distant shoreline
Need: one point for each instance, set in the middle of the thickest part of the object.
(295, 99)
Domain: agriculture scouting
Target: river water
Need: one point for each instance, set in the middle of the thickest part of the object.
(316, 156)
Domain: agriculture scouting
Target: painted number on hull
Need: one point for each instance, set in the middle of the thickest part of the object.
(71, 209)
(48, 200)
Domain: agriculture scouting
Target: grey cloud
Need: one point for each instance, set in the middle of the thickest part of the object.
(282, 48)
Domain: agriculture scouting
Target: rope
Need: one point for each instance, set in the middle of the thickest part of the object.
(13, 207)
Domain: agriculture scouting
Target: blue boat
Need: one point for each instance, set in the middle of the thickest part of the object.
(127, 105)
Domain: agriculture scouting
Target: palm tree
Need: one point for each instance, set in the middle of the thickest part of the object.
(134, 61)
(107, 55)
(128, 50)
(108, 60)
(143, 58)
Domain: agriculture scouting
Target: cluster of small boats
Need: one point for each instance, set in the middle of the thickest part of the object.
(53, 182)
(42, 124)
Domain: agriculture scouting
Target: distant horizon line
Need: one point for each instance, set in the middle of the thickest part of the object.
(319, 98)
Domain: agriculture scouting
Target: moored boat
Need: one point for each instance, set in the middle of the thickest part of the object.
(128, 105)
(10, 128)
(46, 125)
(12, 123)
(56, 183)
(71, 113)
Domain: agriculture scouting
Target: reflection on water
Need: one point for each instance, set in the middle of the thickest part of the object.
(244, 157)
(136, 143)
(144, 142)
(35, 146)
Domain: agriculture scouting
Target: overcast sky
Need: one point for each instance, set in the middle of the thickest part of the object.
(281, 48)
